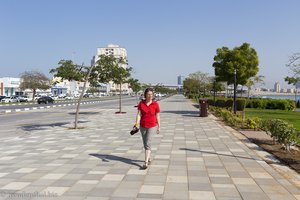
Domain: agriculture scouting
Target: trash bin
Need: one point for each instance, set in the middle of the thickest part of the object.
(203, 107)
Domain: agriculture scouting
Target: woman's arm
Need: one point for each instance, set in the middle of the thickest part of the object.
(138, 118)
(158, 122)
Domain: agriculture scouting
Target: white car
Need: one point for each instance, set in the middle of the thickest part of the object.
(10, 99)
(23, 98)
(69, 98)
(54, 97)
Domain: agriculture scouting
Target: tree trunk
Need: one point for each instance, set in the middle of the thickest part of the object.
(120, 101)
(33, 94)
(79, 100)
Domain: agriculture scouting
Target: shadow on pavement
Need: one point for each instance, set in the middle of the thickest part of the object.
(196, 106)
(220, 154)
(107, 158)
(187, 113)
(36, 127)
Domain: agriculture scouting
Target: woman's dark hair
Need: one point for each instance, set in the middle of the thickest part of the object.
(147, 90)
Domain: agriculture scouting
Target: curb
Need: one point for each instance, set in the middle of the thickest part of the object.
(45, 107)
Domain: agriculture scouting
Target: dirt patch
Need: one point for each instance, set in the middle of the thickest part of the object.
(291, 159)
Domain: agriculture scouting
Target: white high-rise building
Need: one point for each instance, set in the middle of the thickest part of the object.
(277, 87)
(117, 52)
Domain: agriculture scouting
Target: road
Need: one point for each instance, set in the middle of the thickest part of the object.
(29, 105)
(15, 123)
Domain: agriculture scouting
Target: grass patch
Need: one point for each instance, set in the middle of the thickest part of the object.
(291, 117)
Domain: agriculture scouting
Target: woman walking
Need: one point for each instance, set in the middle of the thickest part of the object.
(149, 120)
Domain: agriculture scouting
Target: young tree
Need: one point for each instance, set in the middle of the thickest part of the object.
(294, 64)
(107, 68)
(34, 80)
(243, 59)
(191, 86)
(111, 68)
(236, 66)
(293, 81)
(67, 70)
(202, 82)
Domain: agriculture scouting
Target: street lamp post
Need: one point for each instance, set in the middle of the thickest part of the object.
(234, 93)
(214, 91)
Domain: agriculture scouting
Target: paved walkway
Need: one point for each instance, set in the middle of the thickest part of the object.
(193, 158)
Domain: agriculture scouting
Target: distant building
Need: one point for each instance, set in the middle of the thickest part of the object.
(283, 90)
(180, 80)
(1, 88)
(65, 87)
(265, 89)
(291, 90)
(11, 86)
(118, 52)
(277, 87)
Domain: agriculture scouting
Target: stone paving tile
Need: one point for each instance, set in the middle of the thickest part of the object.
(15, 186)
(201, 195)
(151, 189)
(193, 158)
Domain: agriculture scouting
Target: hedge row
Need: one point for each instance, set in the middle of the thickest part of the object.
(228, 103)
(280, 104)
(241, 103)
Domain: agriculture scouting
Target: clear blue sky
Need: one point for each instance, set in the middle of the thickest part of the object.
(163, 38)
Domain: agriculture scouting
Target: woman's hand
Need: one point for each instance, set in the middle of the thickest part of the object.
(158, 130)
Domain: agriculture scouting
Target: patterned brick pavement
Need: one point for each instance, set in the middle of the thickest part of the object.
(193, 158)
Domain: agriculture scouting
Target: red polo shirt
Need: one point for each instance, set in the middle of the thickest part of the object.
(148, 114)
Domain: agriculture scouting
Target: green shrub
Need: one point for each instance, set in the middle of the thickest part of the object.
(240, 104)
(227, 116)
(252, 123)
(281, 132)
(229, 103)
(220, 103)
(259, 103)
(210, 102)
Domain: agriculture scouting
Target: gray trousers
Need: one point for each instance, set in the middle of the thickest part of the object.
(146, 135)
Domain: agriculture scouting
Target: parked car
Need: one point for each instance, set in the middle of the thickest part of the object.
(10, 99)
(2, 97)
(87, 95)
(45, 100)
(69, 98)
(62, 95)
(54, 97)
(23, 98)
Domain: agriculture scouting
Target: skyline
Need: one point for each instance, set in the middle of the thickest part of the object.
(163, 39)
